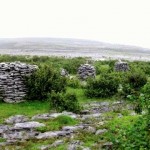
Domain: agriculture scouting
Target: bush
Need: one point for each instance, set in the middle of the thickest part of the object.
(105, 86)
(145, 97)
(74, 83)
(133, 82)
(44, 81)
(62, 102)
(72, 65)
(102, 69)
(130, 135)
(136, 79)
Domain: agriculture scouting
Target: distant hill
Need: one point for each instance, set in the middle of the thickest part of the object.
(71, 48)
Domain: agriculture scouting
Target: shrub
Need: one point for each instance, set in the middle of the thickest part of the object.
(136, 79)
(105, 86)
(131, 135)
(102, 69)
(133, 82)
(44, 81)
(145, 97)
(61, 102)
(74, 83)
(72, 65)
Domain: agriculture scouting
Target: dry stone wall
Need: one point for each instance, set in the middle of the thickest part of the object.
(12, 85)
(86, 70)
(121, 66)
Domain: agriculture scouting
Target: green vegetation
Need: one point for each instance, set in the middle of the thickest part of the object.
(61, 102)
(49, 91)
(129, 132)
(28, 108)
(105, 86)
(57, 123)
(43, 82)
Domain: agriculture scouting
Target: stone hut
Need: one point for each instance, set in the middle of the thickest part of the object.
(121, 66)
(85, 71)
(12, 88)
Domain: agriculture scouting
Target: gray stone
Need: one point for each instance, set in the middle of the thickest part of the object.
(90, 129)
(74, 145)
(52, 134)
(108, 145)
(64, 72)
(19, 135)
(100, 131)
(55, 144)
(72, 128)
(96, 115)
(53, 115)
(29, 125)
(3, 128)
(85, 71)
(12, 80)
(16, 119)
(121, 66)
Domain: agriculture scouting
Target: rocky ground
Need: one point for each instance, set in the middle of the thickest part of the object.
(72, 48)
(17, 130)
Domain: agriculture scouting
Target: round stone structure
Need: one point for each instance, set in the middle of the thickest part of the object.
(121, 66)
(85, 71)
(12, 87)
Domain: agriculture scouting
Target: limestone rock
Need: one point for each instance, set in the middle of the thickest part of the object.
(16, 119)
(54, 115)
(3, 128)
(72, 128)
(108, 145)
(64, 72)
(74, 145)
(91, 129)
(19, 135)
(52, 134)
(55, 144)
(100, 131)
(29, 125)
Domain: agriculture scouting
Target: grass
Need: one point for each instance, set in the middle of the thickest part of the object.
(28, 108)
(58, 123)
(83, 99)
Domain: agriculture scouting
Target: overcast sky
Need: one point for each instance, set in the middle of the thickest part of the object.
(115, 21)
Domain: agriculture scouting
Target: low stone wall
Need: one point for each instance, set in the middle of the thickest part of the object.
(121, 66)
(12, 75)
(85, 71)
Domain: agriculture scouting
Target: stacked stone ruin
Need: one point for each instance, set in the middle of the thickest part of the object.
(121, 66)
(85, 71)
(12, 87)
